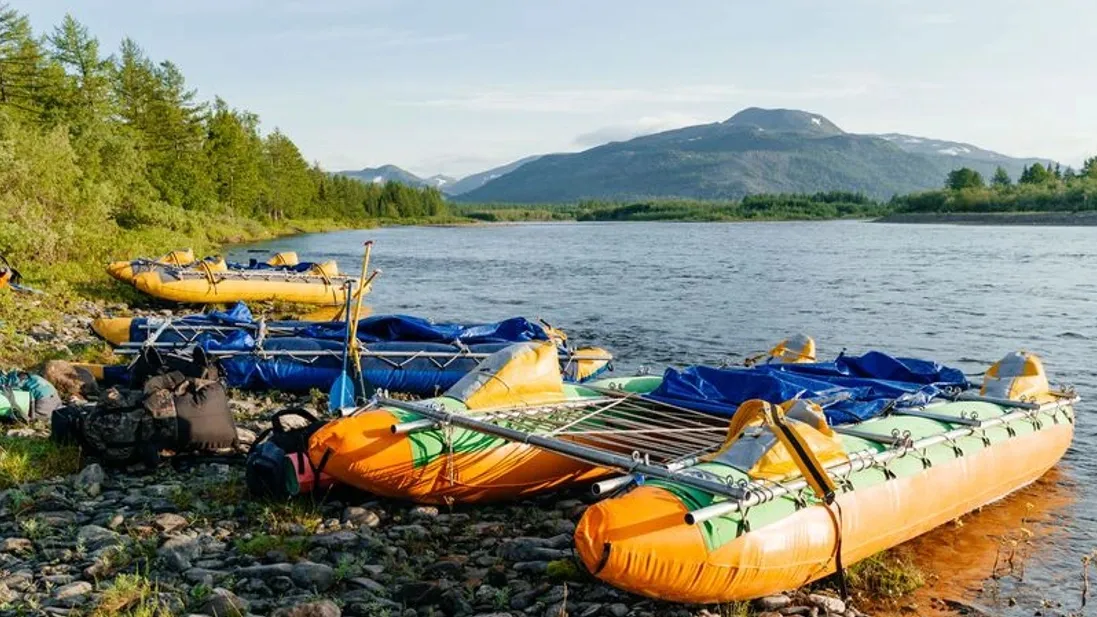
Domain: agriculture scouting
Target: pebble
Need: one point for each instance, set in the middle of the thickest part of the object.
(16, 545)
(313, 576)
(179, 551)
(72, 594)
(170, 522)
(223, 603)
(321, 608)
(827, 603)
(90, 480)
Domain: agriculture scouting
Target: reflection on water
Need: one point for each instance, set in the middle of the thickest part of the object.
(682, 293)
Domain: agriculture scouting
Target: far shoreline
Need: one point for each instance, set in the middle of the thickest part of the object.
(1042, 219)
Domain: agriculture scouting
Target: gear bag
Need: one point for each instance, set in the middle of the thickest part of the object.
(173, 413)
(278, 466)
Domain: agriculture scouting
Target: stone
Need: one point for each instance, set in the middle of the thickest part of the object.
(533, 567)
(617, 609)
(90, 480)
(205, 576)
(361, 516)
(281, 584)
(178, 552)
(73, 594)
(424, 512)
(16, 545)
(772, 603)
(368, 584)
(827, 603)
(320, 608)
(337, 540)
(223, 603)
(169, 522)
(417, 532)
(418, 593)
(265, 571)
(310, 575)
(94, 537)
(530, 549)
(7, 596)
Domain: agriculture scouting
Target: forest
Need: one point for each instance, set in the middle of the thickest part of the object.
(111, 154)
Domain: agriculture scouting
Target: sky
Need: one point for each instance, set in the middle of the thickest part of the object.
(456, 87)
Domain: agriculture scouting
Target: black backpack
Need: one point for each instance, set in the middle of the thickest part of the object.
(279, 455)
(173, 413)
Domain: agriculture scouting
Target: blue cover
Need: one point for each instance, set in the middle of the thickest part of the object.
(422, 376)
(866, 385)
(384, 333)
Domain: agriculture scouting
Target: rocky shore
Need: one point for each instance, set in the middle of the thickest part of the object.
(1063, 219)
(185, 539)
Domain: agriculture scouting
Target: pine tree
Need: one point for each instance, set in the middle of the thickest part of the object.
(1001, 178)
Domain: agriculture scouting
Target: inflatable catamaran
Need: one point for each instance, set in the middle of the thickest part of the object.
(724, 484)
(398, 353)
(179, 277)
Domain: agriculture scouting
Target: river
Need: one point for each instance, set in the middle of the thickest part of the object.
(702, 293)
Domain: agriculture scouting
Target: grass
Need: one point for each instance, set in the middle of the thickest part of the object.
(563, 570)
(130, 595)
(29, 459)
(887, 575)
(262, 544)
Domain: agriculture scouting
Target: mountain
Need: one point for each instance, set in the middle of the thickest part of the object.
(475, 181)
(385, 173)
(441, 182)
(961, 154)
(754, 151)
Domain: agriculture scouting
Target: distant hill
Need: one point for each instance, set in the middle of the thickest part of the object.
(755, 151)
(477, 180)
(386, 173)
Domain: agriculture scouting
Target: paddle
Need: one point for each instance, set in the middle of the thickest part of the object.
(341, 395)
(354, 349)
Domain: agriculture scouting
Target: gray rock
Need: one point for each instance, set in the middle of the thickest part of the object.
(223, 603)
(772, 603)
(73, 594)
(321, 608)
(265, 571)
(827, 603)
(179, 552)
(338, 540)
(533, 567)
(90, 480)
(7, 596)
(368, 584)
(361, 516)
(617, 609)
(418, 593)
(410, 531)
(310, 575)
(16, 545)
(205, 576)
(94, 537)
(558, 609)
(169, 522)
(530, 549)
(281, 584)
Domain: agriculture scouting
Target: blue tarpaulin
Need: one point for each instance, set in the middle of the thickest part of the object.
(855, 388)
(254, 368)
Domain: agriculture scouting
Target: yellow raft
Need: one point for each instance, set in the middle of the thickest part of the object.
(179, 277)
(669, 541)
(370, 450)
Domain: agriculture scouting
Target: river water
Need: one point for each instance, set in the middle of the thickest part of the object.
(686, 293)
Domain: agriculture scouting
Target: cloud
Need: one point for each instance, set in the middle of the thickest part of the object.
(605, 99)
(644, 126)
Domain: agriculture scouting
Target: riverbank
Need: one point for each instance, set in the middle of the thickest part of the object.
(1051, 219)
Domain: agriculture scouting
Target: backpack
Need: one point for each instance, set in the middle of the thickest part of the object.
(174, 412)
(278, 466)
